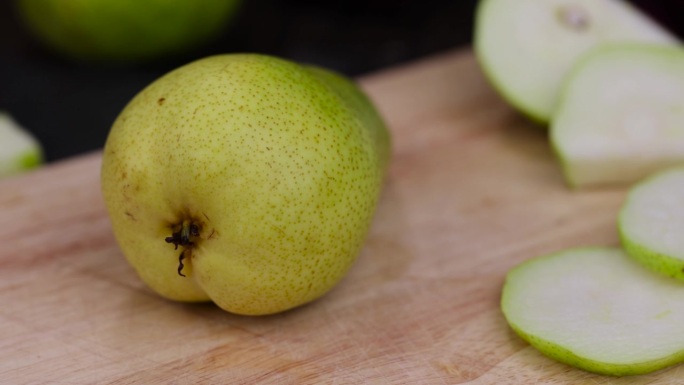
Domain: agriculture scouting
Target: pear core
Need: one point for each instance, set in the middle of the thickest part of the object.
(573, 17)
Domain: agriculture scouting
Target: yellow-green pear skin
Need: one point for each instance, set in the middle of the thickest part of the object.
(359, 102)
(264, 174)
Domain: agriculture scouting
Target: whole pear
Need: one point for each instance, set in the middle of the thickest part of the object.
(244, 179)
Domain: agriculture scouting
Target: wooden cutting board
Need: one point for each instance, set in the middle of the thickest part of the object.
(473, 190)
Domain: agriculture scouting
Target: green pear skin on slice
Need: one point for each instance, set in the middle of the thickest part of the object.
(651, 223)
(621, 115)
(527, 47)
(598, 310)
(19, 150)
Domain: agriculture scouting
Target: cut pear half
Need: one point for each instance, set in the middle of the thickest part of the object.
(651, 223)
(19, 150)
(621, 116)
(527, 47)
(598, 310)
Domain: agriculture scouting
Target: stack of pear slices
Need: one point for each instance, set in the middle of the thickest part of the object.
(609, 310)
(607, 80)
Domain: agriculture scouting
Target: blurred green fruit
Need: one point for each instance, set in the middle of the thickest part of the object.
(124, 30)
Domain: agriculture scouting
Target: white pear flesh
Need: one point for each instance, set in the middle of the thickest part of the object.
(622, 115)
(527, 47)
(651, 223)
(598, 310)
(19, 150)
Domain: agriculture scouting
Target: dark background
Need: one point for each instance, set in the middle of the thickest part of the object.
(70, 106)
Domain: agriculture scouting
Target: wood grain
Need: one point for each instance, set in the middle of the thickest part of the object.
(473, 189)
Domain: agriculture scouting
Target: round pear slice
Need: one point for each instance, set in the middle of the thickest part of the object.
(527, 47)
(598, 310)
(621, 116)
(19, 150)
(651, 223)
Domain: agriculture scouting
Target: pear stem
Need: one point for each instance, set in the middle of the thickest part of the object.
(180, 263)
(184, 238)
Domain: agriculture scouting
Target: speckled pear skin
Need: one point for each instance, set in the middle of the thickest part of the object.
(352, 95)
(278, 166)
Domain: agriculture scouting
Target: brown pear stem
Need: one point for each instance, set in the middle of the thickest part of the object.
(180, 263)
(183, 237)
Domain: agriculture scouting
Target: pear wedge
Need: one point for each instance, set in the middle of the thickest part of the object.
(19, 150)
(621, 117)
(527, 47)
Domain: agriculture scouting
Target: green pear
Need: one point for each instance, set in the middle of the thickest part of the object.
(598, 310)
(244, 179)
(621, 115)
(527, 47)
(651, 222)
(124, 30)
(19, 150)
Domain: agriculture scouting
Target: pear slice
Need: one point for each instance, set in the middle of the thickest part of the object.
(598, 310)
(651, 223)
(19, 150)
(621, 116)
(527, 47)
